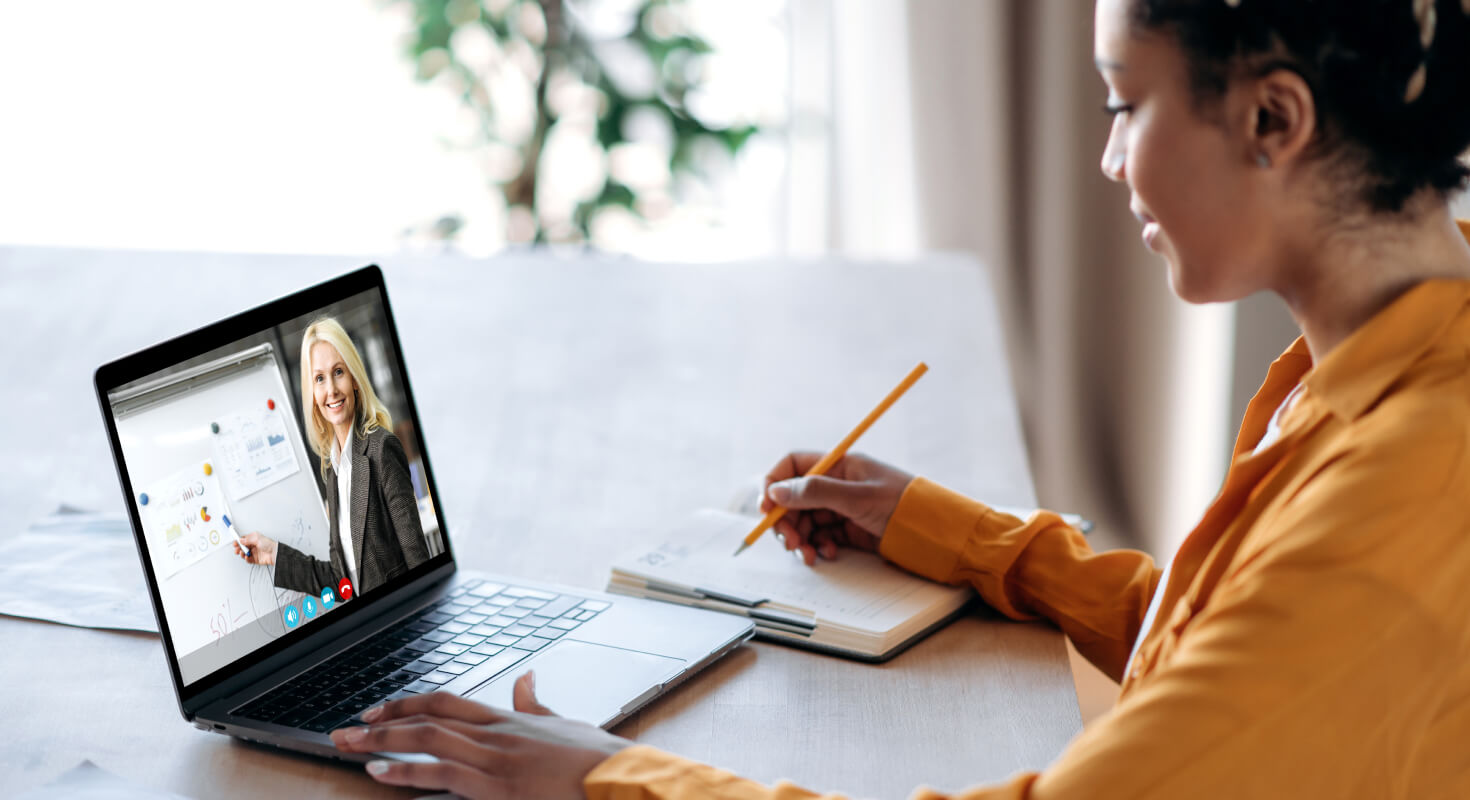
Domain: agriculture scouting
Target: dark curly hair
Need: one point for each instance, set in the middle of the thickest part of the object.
(1383, 125)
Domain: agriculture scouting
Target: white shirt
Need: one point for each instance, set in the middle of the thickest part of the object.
(1273, 425)
(1273, 432)
(343, 467)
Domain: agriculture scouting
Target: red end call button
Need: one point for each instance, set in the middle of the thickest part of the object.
(344, 588)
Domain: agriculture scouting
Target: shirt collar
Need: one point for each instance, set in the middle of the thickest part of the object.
(1358, 372)
(337, 451)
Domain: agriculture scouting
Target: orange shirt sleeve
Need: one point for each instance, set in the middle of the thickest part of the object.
(1040, 567)
(647, 773)
(1316, 666)
(1311, 672)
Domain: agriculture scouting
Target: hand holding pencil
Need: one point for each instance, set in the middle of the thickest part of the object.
(861, 510)
(847, 507)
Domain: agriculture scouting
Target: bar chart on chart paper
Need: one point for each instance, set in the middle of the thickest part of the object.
(252, 449)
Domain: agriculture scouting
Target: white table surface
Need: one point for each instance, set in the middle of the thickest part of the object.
(567, 405)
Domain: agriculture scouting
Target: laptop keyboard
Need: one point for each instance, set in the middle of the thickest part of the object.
(453, 644)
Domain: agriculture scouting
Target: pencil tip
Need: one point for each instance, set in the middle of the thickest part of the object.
(741, 548)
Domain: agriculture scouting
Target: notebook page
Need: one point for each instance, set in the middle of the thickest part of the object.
(857, 591)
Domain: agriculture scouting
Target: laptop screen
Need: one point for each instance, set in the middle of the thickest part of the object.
(278, 479)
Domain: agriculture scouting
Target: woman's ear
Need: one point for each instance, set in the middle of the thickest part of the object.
(1284, 118)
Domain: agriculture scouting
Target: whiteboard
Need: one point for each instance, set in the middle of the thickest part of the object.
(219, 601)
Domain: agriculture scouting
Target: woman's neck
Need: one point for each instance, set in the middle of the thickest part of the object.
(1336, 281)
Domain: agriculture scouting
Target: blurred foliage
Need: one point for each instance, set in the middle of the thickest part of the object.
(542, 42)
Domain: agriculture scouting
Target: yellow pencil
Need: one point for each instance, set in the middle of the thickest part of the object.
(821, 467)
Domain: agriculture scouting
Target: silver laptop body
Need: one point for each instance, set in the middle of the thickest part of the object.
(286, 667)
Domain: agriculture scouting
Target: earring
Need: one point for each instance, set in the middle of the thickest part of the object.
(1262, 160)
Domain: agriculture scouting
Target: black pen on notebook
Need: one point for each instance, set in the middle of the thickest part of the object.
(836, 454)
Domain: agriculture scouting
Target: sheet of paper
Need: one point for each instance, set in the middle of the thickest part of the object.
(252, 451)
(857, 590)
(77, 569)
(87, 781)
(183, 518)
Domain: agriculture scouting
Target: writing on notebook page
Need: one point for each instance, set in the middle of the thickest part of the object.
(856, 606)
(861, 593)
(666, 553)
(858, 586)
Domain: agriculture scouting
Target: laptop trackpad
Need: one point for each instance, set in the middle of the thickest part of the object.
(580, 680)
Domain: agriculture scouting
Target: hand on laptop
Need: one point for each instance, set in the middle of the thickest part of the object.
(849, 506)
(262, 548)
(483, 752)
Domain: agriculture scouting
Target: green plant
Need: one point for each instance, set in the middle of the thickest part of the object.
(547, 44)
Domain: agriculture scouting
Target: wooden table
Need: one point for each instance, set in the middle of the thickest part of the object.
(567, 405)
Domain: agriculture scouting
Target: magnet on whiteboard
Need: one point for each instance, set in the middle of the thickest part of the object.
(214, 427)
(208, 470)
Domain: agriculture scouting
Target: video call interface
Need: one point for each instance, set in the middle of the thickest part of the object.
(245, 464)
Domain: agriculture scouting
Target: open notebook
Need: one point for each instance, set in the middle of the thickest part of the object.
(857, 606)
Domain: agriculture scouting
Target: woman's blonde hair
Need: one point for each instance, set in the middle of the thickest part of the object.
(369, 412)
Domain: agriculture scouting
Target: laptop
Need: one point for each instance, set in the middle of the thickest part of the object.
(224, 432)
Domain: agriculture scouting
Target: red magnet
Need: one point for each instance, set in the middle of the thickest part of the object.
(344, 588)
(271, 404)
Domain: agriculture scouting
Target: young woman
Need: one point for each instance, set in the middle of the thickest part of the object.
(375, 534)
(1310, 637)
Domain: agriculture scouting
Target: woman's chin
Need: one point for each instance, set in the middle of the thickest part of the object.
(1177, 283)
(1194, 292)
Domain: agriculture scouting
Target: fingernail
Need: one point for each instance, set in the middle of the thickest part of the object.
(531, 679)
(372, 713)
(355, 735)
(779, 492)
(377, 767)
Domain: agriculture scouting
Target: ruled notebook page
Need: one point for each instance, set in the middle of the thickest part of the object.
(858, 591)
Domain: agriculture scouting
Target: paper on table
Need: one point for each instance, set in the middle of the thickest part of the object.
(87, 781)
(77, 569)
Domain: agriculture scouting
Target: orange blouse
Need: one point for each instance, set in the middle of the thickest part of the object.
(1312, 637)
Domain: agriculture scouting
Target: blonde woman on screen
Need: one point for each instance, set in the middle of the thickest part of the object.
(375, 533)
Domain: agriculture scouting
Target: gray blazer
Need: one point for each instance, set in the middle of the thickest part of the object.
(387, 537)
